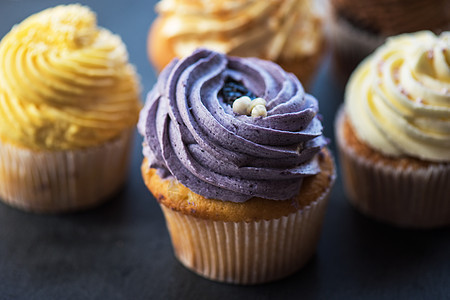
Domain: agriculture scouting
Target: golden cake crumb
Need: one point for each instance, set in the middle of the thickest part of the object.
(174, 195)
(363, 150)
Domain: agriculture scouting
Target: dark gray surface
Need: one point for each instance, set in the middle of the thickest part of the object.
(122, 250)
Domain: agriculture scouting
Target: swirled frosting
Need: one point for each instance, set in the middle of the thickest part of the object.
(398, 99)
(192, 134)
(266, 29)
(64, 82)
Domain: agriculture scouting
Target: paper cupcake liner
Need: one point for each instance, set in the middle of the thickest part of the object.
(60, 181)
(414, 198)
(246, 252)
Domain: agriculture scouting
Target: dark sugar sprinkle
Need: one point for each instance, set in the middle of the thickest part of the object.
(233, 90)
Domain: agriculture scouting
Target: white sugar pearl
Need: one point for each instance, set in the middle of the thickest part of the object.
(241, 105)
(257, 101)
(259, 111)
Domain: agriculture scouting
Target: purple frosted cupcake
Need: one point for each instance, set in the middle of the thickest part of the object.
(235, 156)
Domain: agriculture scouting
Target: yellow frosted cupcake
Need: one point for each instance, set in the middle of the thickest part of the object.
(289, 33)
(69, 101)
(394, 132)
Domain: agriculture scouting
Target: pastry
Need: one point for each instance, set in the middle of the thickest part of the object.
(235, 156)
(69, 102)
(394, 132)
(287, 32)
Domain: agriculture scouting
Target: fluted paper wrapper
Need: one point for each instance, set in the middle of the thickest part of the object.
(246, 252)
(60, 181)
(411, 198)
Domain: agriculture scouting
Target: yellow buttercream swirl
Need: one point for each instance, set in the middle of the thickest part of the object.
(398, 99)
(267, 29)
(64, 82)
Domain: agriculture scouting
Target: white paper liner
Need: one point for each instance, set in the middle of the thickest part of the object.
(247, 252)
(403, 197)
(60, 181)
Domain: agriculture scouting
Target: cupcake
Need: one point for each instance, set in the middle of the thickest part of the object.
(287, 32)
(358, 27)
(69, 102)
(235, 156)
(393, 132)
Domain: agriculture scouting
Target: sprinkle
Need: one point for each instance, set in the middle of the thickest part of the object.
(396, 74)
(404, 92)
(233, 90)
(256, 101)
(259, 111)
(241, 105)
(380, 66)
(245, 106)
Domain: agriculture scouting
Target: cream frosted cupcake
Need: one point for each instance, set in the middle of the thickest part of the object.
(357, 28)
(394, 132)
(287, 32)
(243, 183)
(69, 100)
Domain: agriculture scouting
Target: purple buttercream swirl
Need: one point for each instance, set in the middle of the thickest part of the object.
(190, 133)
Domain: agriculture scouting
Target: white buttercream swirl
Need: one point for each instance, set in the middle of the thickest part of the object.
(398, 99)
